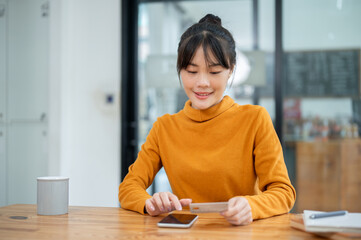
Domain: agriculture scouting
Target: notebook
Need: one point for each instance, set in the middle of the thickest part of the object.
(350, 222)
(297, 223)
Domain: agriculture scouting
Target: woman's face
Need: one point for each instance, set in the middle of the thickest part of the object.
(204, 84)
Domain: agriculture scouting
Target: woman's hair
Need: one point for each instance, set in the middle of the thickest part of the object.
(209, 34)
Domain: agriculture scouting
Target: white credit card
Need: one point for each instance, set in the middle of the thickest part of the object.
(209, 207)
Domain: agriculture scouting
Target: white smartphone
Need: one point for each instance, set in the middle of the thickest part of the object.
(209, 207)
(176, 220)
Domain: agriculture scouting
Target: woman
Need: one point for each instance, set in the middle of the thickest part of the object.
(213, 150)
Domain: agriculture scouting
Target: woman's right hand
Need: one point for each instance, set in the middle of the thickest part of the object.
(164, 202)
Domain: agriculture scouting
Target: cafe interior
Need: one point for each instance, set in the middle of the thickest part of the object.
(82, 82)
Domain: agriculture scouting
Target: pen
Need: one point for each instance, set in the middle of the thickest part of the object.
(328, 214)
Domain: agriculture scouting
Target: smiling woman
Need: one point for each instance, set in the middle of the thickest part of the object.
(213, 150)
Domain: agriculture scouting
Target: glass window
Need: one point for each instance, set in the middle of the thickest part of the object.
(322, 41)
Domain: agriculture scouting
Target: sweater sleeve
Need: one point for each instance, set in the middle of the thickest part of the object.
(277, 194)
(132, 191)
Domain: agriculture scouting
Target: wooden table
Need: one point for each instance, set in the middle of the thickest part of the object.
(116, 223)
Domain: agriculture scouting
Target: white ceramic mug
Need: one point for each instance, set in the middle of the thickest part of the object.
(53, 195)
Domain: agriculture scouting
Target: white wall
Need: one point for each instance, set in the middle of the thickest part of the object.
(24, 65)
(85, 131)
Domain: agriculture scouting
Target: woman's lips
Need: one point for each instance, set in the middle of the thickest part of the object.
(202, 95)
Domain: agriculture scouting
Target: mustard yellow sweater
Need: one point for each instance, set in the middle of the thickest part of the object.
(213, 155)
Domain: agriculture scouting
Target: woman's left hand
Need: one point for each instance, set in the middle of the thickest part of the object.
(239, 211)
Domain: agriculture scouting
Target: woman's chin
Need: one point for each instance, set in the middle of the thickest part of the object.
(201, 105)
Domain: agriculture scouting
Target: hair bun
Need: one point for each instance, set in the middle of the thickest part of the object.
(210, 18)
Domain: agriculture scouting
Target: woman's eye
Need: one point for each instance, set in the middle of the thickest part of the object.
(191, 72)
(215, 72)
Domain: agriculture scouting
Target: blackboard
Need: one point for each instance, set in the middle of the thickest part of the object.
(322, 73)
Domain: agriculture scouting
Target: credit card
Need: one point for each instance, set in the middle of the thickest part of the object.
(210, 207)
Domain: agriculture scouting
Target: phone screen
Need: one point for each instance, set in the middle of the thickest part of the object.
(178, 220)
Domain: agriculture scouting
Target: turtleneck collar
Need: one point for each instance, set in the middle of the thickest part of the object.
(209, 113)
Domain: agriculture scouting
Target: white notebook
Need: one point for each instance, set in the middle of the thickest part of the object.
(350, 222)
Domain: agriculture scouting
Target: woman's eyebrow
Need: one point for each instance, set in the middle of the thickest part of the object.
(209, 65)
(214, 65)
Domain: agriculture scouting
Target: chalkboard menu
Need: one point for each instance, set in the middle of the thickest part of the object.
(322, 73)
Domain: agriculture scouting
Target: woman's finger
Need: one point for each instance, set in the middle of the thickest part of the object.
(158, 202)
(175, 201)
(149, 205)
(166, 202)
(185, 202)
(150, 208)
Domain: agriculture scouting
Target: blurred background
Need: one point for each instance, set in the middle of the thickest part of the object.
(82, 82)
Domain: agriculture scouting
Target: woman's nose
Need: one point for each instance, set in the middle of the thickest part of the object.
(203, 81)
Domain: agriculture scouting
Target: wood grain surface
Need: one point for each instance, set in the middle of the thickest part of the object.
(22, 222)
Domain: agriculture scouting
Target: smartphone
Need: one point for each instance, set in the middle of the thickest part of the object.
(177, 220)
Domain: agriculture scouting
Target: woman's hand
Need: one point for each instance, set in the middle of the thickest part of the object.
(164, 202)
(239, 211)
